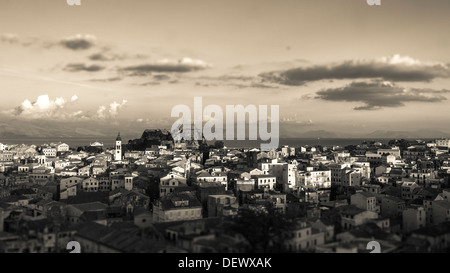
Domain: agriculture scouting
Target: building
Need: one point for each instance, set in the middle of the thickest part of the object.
(96, 144)
(179, 207)
(351, 216)
(441, 211)
(443, 142)
(90, 185)
(222, 205)
(264, 181)
(260, 197)
(436, 237)
(365, 201)
(315, 179)
(6, 156)
(74, 212)
(337, 173)
(392, 207)
(352, 177)
(304, 237)
(408, 189)
(118, 150)
(84, 171)
(170, 182)
(62, 147)
(373, 158)
(285, 173)
(49, 151)
(395, 152)
(128, 182)
(68, 186)
(213, 175)
(414, 218)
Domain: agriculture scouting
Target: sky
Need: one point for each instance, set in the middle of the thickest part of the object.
(340, 66)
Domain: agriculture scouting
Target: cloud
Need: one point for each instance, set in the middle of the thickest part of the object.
(105, 56)
(297, 120)
(75, 67)
(393, 68)
(42, 107)
(79, 42)
(58, 109)
(112, 111)
(111, 79)
(379, 94)
(9, 38)
(237, 81)
(165, 65)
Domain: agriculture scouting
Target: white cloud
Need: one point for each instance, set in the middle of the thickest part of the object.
(398, 59)
(114, 108)
(44, 107)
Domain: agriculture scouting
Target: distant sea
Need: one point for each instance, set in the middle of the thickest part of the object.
(110, 142)
(72, 142)
(297, 142)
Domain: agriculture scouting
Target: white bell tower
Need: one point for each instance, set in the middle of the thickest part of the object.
(118, 152)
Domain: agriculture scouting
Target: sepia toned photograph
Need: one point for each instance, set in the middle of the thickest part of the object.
(225, 127)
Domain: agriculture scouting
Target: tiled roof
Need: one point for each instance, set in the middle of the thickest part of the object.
(127, 240)
(350, 209)
(94, 206)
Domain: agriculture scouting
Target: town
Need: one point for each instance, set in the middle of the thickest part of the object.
(155, 194)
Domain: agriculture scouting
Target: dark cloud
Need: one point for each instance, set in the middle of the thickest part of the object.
(379, 94)
(148, 68)
(395, 68)
(161, 77)
(238, 81)
(105, 56)
(112, 79)
(181, 66)
(79, 42)
(75, 67)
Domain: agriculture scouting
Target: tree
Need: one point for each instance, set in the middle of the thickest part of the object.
(218, 144)
(264, 230)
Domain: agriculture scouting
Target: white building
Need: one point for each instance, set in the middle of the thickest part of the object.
(63, 147)
(264, 181)
(49, 151)
(316, 179)
(443, 142)
(118, 152)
